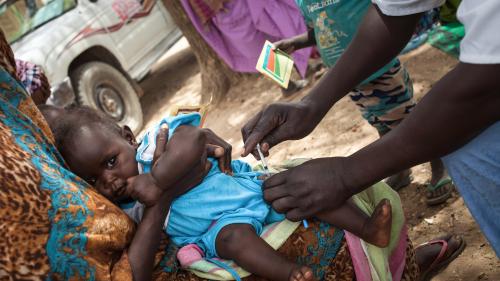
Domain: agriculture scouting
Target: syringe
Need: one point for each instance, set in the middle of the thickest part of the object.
(266, 171)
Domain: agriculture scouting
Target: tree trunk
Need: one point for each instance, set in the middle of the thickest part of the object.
(216, 76)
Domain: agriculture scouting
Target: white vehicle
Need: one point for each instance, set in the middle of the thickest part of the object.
(92, 51)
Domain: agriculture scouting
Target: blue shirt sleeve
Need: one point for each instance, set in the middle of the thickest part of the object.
(147, 146)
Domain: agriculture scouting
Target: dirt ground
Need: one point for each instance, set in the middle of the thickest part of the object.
(175, 79)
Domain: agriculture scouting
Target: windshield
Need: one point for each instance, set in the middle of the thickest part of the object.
(19, 17)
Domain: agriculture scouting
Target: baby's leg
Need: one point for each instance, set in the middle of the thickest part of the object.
(240, 243)
(375, 229)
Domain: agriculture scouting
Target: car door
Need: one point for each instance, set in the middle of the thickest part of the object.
(135, 26)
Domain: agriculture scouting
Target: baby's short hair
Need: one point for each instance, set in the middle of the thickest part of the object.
(65, 123)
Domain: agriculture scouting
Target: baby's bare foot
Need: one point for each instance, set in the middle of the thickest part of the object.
(301, 273)
(377, 230)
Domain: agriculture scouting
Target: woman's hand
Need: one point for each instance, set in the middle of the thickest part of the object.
(287, 45)
(219, 149)
(292, 44)
(308, 189)
(194, 177)
(144, 189)
(182, 159)
(42, 94)
(279, 122)
(216, 147)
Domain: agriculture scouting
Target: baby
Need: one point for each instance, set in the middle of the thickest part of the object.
(223, 215)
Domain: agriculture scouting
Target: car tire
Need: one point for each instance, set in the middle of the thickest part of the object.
(101, 86)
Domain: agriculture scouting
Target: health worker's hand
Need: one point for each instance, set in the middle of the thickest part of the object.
(279, 122)
(308, 189)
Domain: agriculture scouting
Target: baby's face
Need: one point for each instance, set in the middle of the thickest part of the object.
(105, 160)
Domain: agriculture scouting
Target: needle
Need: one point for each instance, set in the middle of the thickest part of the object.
(266, 171)
(263, 161)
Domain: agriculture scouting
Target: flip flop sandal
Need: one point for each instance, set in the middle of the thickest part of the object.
(431, 201)
(439, 264)
(402, 184)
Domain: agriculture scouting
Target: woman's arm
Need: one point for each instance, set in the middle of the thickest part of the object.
(292, 44)
(185, 149)
(142, 250)
(177, 181)
(379, 39)
(459, 107)
(189, 145)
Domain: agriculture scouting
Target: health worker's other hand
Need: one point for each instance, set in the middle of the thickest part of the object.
(220, 149)
(279, 122)
(286, 45)
(307, 189)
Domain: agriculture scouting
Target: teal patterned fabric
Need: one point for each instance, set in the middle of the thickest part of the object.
(53, 226)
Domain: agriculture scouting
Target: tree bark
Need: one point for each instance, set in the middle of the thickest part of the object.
(216, 76)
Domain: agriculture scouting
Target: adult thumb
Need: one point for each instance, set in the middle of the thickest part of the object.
(161, 142)
(262, 128)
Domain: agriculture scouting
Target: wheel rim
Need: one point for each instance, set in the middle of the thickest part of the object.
(109, 101)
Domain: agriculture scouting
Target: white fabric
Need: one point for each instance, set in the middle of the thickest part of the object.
(134, 211)
(148, 151)
(406, 7)
(481, 19)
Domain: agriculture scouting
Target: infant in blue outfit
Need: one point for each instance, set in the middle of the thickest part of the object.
(223, 215)
(198, 216)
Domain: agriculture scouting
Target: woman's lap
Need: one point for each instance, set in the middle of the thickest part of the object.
(321, 247)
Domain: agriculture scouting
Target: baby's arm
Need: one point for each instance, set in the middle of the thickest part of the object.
(184, 151)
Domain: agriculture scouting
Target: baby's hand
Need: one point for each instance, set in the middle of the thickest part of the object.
(144, 189)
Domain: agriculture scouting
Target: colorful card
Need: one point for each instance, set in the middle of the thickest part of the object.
(275, 64)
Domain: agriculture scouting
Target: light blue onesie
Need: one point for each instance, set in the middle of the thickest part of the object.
(198, 216)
